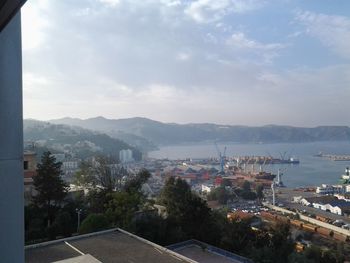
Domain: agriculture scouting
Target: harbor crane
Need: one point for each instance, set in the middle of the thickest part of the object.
(221, 158)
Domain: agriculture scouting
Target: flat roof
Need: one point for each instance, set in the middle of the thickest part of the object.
(205, 253)
(204, 256)
(107, 246)
(8, 9)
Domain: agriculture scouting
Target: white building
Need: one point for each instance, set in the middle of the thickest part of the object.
(326, 189)
(207, 188)
(125, 156)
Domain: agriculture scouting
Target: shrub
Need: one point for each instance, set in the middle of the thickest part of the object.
(93, 223)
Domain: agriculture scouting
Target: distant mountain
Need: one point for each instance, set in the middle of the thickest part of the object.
(171, 133)
(76, 140)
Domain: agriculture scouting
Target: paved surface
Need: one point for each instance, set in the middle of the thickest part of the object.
(198, 254)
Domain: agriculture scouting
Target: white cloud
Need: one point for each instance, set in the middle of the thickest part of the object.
(34, 23)
(252, 50)
(183, 56)
(111, 3)
(147, 58)
(240, 41)
(205, 11)
(332, 30)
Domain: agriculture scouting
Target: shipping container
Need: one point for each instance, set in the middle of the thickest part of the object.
(340, 237)
(296, 223)
(323, 231)
(310, 227)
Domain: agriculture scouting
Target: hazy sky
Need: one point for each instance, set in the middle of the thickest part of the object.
(250, 62)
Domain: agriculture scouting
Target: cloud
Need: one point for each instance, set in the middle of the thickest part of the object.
(112, 3)
(150, 58)
(240, 41)
(332, 30)
(206, 11)
(33, 31)
(261, 51)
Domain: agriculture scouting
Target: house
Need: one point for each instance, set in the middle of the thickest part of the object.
(29, 167)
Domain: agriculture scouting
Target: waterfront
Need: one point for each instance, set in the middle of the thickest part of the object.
(311, 170)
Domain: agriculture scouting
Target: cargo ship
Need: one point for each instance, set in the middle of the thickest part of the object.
(262, 160)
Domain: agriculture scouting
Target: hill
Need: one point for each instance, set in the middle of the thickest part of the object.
(75, 140)
(159, 133)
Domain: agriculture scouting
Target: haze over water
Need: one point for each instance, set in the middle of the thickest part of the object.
(310, 172)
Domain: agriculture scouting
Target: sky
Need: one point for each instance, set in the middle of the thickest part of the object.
(245, 62)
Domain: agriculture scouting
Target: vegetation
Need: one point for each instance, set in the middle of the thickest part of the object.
(51, 189)
(188, 217)
(81, 142)
(93, 223)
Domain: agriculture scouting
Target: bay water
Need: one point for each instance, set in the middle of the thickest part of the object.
(312, 171)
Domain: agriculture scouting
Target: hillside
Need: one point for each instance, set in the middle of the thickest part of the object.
(76, 140)
(170, 133)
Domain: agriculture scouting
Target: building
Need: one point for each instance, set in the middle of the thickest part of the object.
(115, 245)
(29, 166)
(207, 187)
(326, 189)
(327, 203)
(125, 156)
(69, 167)
(202, 252)
(11, 130)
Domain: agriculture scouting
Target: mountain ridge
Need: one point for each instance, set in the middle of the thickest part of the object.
(159, 133)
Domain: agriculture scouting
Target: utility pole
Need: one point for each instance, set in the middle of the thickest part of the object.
(78, 212)
(273, 193)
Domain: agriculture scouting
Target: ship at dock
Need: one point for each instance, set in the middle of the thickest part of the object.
(345, 178)
(264, 160)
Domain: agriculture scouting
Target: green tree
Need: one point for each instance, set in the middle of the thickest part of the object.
(104, 174)
(246, 186)
(51, 189)
(85, 176)
(135, 184)
(220, 194)
(185, 208)
(226, 182)
(259, 191)
(93, 223)
(122, 207)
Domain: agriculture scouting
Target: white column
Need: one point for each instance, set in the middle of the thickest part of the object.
(11, 144)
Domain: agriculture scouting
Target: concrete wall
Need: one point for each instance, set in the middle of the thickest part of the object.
(11, 144)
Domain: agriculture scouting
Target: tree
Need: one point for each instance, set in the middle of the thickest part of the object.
(94, 222)
(226, 182)
(246, 186)
(259, 191)
(104, 174)
(50, 187)
(85, 176)
(220, 194)
(108, 173)
(122, 208)
(184, 208)
(135, 184)
(246, 192)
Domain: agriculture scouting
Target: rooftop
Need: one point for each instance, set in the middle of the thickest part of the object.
(114, 245)
(205, 253)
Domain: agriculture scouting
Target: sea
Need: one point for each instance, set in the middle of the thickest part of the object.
(311, 171)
